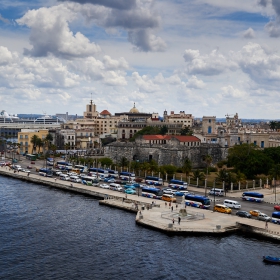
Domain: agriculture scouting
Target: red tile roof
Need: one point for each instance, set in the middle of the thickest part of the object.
(105, 112)
(187, 138)
(157, 137)
(168, 137)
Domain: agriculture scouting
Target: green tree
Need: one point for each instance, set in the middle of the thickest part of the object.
(123, 162)
(148, 130)
(249, 159)
(208, 161)
(274, 172)
(187, 166)
(34, 140)
(105, 161)
(153, 166)
(198, 174)
(186, 131)
(163, 130)
(169, 169)
(39, 144)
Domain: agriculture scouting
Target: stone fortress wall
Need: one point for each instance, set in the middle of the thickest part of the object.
(165, 154)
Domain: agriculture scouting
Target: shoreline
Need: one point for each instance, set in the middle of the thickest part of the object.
(160, 218)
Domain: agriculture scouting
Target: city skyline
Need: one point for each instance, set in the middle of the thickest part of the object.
(204, 57)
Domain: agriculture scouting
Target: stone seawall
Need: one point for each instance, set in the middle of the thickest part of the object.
(165, 154)
(158, 215)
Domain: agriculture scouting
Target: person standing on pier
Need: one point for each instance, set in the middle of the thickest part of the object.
(179, 220)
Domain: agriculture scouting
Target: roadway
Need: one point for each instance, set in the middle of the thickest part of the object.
(264, 207)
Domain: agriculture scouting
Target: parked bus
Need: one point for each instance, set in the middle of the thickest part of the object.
(152, 180)
(31, 157)
(63, 165)
(275, 218)
(127, 175)
(168, 197)
(99, 172)
(252, 196)
(152, 192)
(45, 172)
(113, 173)
(89, 180)
(82, 168)
(177, 184)
(198, 201)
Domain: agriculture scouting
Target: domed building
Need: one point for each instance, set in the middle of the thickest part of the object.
(134, 110)
(131, 122)
(134, 115)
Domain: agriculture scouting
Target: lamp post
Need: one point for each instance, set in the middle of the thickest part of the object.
(214, 183)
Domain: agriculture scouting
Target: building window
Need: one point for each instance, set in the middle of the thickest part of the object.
(262, 144)
(26, 136)
(255, 143)
(21, 136)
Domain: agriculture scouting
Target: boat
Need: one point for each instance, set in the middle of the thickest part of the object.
(7, 118)
(269, 259)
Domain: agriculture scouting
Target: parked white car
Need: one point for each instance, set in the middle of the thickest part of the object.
(104, 186)
(25, 170)
(169, 191)
(264, 217)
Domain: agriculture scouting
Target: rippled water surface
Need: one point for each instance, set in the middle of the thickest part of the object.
(51, 234)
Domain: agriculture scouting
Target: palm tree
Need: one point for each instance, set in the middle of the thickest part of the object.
(48, 139)
(66, 147)
(124, 162)
(198, 174)
(39, 144)
(187, 167)
(208, 160)
(34, 140)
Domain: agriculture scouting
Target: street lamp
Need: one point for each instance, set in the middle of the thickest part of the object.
(214, 183)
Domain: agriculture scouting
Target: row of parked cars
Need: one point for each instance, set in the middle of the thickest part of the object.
(17, 167)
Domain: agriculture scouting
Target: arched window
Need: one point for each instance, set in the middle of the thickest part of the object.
(209, 129)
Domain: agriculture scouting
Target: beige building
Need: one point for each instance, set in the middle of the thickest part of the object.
(25, 136)
(185, 120)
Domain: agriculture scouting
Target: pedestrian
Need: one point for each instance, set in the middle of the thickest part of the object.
(179, 220)
(266, 225)
(123, 199)
(125, 195)
(171, 208)
(176, 206)
(173, 221)
(169, 205)
(165, 204)
(55, 179)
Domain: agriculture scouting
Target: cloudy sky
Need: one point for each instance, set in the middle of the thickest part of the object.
(204, 57)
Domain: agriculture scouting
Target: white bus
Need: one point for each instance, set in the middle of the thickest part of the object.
(82, 168)
(178, 184)
(99, 172)
(127, 176)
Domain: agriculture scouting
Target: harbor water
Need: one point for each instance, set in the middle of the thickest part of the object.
(51, 234)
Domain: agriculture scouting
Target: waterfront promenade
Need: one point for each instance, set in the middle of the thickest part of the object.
(159, 216)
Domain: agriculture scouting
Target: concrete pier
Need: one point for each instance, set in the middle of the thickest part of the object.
(156, 215)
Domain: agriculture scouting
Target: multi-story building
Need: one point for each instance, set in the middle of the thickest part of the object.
(25, 136)
(65, 137)
(185, 120)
